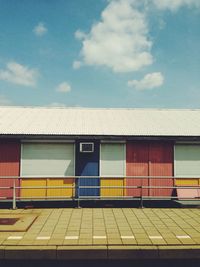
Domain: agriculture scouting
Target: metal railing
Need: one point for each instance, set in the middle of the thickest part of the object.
(142, 188)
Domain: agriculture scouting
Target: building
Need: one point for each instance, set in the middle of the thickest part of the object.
(71, 153)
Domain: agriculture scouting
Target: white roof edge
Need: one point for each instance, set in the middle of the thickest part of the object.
(102, 108)
(36, 120)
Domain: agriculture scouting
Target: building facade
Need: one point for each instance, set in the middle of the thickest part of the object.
(66, 153)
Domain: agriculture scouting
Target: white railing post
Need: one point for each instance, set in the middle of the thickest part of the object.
(14, 196)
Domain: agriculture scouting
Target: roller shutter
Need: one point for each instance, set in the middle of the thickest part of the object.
(187, 160)
(47, 160)
(112, 160)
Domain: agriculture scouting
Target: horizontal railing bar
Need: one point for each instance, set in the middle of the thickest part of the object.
(44, 187)
(98, 197)
(104, 186)
(63, 197)
(102, 197)
(103, 177)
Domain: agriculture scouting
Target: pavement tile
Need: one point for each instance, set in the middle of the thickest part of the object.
(112, 223)
(137, 230)
(40, 242)
(26, 242)
(129, 241)
(85, 241)
(70, 242)
(143, 241)
(117, 241)
(187, 241)
(55, 241)
(172, 241)
(158, 242)
(2, 240)
(100, 241)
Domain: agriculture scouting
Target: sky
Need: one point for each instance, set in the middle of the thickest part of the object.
(100, 53)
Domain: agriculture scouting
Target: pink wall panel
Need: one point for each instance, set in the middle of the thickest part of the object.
(161, 164)
(136, 165)
(149, 159)
(9, 166)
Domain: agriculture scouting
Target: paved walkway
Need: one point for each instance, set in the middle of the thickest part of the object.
(105, 233)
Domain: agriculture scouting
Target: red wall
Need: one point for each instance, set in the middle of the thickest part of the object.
(9, 165)
(137, 159)
(149, 159)
(161, 164)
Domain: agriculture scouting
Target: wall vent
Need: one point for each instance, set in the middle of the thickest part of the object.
(87, 147)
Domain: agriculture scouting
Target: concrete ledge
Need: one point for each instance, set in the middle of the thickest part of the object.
(2, 254)
(179, 252)
(29, 252)
(133, 252)
(81, 252)
(98, 252)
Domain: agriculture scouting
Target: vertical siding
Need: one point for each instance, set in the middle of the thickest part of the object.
(112, 164)
(161, 164)
(112, 192)
(33, 192)
(87, 164)
(187, 182)
(137, 159)
(9, 166)
(60, 192)
(43, 192)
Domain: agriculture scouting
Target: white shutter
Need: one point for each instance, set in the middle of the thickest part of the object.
(47, 159)
(187, 160)
(112, 160)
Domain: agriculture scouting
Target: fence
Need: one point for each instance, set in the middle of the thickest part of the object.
(142, 188)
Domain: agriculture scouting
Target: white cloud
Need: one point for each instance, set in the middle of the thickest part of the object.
(4, 101)
(19, 74)
(150, 81)
(77, 64)
(80, 35)
(40, 29)
(174, 5)
(119, 40)
(63, 87)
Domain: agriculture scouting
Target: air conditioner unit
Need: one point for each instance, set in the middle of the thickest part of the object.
(87, 147)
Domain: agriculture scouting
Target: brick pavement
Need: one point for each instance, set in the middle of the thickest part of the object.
(105, 232)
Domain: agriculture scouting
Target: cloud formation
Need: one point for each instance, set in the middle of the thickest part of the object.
(150, 81)
(19, 74)
(40, 29)
(119, 40)
(63, 87)
(76, 64)
(174, 5)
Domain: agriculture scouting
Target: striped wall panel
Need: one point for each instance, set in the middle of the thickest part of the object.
(113, 163)
(9, 166)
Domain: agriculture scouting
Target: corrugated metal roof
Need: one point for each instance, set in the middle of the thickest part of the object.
(96, 121)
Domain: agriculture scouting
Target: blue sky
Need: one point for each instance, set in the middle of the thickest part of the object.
(100, 53)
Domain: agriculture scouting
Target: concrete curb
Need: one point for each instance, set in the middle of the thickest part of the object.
(98, 252)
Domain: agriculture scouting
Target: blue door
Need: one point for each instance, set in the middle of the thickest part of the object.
(87, 164)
